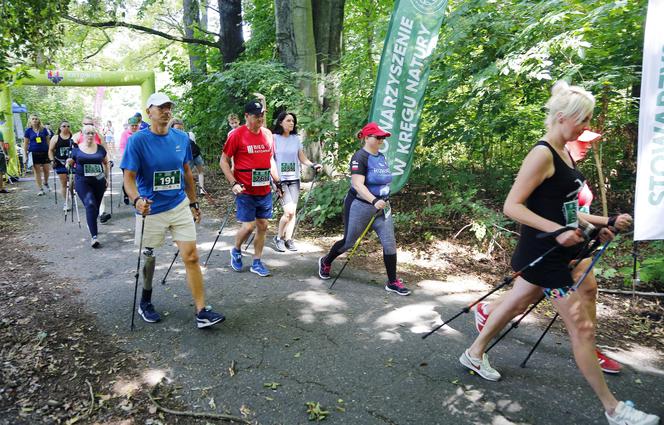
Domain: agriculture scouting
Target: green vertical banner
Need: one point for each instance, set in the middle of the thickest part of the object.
(402, 78)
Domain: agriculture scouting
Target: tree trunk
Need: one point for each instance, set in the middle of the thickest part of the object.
(191, 20)
(598, 159)
(297, 50)
(204, 15)
(328, 16)
(231, 39)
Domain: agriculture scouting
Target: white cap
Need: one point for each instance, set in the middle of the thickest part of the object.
(157, 99)
(192, 136)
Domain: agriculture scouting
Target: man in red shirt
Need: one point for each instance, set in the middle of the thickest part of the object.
(250, 148)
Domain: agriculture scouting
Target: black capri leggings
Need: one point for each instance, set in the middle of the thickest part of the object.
(91, 191)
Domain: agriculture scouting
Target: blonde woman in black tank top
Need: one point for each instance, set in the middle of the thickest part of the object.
(544, 199)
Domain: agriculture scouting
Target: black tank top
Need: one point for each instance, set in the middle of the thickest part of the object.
(62, 148)
(556, 199)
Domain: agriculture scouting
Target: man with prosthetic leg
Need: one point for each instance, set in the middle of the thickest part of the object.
(158, 180)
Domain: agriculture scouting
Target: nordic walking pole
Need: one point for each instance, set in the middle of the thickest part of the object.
(590, 247)
(221, 229)
(576, 285)
(66, 197)
(138, 270)
(357, 243)
(110, 186)
(78, 216)
(306, 202)
(55, 187)
(506, 281)
(163, 281)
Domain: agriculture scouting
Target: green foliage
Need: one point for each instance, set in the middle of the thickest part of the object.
(31, 30)
(54, 104)
(209, 99)
(328, 200)
(259, 15)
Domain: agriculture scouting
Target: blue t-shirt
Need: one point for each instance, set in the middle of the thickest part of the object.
(89, 165)
(38, 140)
(158, 162)
(376, 172)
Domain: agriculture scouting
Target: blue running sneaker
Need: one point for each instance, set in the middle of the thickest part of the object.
(236, 259)
(206, 317)
(258, 268)
(147, 312)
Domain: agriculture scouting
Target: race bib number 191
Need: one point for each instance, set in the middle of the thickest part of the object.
(166, 180)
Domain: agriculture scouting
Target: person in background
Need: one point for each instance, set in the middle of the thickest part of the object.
(142, 125)
(3, 163)
(233, 121)
(81, 138)
(132, 127)
(197, 162)
(35, 141)
(59, 150)
(109, 136)
(288, 155)
(92, 171)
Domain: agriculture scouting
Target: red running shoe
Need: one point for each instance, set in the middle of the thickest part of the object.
(608, 365)
(480, 315)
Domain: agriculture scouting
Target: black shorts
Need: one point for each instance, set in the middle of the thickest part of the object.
(40, 158)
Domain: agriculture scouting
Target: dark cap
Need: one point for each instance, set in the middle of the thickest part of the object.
(254, 107)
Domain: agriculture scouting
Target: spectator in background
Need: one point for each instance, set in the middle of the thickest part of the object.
(141, 124)
(3, 163)
(197, 162)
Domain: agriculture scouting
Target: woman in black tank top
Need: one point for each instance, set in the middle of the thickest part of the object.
(58, 152)
(544, 198)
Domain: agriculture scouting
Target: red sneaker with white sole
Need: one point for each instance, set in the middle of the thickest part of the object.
(480, 315)
(608, 365)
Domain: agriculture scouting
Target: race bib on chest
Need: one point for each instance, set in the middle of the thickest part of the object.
(91, 170)
(287, 170)
(38, 139)
(571, 213)
(166, 180)
(64, 152)
(260, 178)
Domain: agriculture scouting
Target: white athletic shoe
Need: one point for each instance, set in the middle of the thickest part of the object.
(482, 367)
(628, 415)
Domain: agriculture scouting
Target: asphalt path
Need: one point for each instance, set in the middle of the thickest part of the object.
(288, 340)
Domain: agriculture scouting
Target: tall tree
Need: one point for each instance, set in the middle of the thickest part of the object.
(192, 22)
(230, 29)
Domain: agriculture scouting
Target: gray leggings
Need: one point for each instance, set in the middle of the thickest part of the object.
(357, 215)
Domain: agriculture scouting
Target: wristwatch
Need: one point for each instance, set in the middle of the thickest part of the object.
(194, 205)
(136, 200)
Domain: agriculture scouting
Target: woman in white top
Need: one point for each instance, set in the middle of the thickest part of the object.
(288, 155)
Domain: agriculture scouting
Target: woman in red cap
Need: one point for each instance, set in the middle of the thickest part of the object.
(369, 192)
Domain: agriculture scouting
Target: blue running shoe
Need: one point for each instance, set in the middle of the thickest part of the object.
(206, 317)
(258, 268)
(147, 312)
(236, 259)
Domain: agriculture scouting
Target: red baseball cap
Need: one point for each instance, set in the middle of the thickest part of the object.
(579, 148)
(373, 129)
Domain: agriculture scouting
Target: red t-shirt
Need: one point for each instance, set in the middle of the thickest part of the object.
(251, 155)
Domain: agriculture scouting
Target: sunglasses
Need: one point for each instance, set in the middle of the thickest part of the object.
(63, 126)
(378, 137)
(89, 134)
